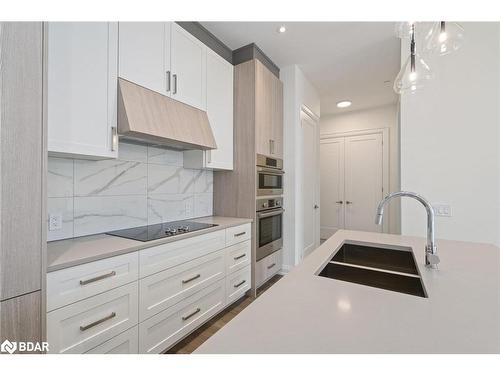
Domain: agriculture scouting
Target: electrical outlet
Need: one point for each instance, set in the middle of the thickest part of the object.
(188, 208)
(55, 221)
(442, 210)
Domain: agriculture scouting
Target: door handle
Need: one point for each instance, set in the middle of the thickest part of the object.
(340, 202)
(348, 202)
(175, 84)
(316, 206)
(168, 80)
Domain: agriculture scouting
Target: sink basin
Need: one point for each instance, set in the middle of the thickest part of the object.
(377, 257)
(377, 267)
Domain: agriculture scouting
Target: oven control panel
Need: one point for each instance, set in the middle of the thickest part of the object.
(269, 203)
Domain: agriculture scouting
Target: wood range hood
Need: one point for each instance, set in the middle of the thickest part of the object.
(147, 116)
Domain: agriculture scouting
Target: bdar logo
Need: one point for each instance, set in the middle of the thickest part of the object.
(8, 347)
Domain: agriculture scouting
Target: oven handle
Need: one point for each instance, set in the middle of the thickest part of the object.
(270, 213)
(277, 172)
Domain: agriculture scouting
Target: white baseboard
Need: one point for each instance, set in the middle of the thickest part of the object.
(285, 268)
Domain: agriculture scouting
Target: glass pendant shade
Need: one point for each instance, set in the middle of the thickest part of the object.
(444, 38)
(413, 75)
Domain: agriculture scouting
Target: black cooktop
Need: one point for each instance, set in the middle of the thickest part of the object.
(157, 231)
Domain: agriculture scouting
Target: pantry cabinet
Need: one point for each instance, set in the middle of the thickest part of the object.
(145, 54)
(268, 112)
(82, 64)
(220, 114)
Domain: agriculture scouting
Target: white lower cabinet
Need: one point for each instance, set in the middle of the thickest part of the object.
(268, 267)
(147, 300)
(164, 289)
(237, 284)
(125, 343)
(83, 325)
(163, 330)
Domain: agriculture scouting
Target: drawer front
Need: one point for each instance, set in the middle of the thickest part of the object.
(163, 330)
(238, 234)
(268, 267)
(125, 343)
(77, 283)
(238, 256)
(162, 257)
(86, 324)
(166, 288)
(237, 284)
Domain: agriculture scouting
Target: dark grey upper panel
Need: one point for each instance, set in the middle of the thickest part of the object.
(238, 56)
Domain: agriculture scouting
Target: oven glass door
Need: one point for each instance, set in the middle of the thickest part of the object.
(270, 181)
(270, 229)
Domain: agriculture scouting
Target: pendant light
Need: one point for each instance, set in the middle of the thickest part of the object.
(444, 38)
(414, 73)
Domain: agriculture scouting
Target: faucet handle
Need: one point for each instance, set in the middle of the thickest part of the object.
(431, 260)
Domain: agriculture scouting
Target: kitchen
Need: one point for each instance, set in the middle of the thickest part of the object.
(185, 179)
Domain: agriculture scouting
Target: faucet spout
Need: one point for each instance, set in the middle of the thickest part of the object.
(431, 258)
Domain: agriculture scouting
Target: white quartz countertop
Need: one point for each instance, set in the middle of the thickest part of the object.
(305, 313)
(72, 252)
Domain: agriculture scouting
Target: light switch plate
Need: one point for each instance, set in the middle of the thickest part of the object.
(55, 221)
(442, 210)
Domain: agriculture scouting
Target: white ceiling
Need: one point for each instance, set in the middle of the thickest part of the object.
(343, 60)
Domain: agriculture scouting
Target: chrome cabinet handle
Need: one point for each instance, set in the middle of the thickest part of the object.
(270, 146)
(339, 202)
(110, 316)
(192, 314)
(114, 138)
(175, 84)
(239, 234)
(168, 80)
(240, 283)
(191, 279)
(271, 266)
(94, 279)
(239, 256)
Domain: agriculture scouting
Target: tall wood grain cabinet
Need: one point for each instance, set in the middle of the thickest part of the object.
(268, 112)
(22, 191)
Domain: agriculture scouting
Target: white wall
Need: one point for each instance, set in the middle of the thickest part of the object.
(297, 92)
(373, 118)
(450, 140)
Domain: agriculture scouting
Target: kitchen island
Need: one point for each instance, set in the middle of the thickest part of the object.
(306, 313)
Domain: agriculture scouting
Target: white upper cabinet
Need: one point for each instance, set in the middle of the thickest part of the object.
(189, 69)
(145, 54)
(82, 89)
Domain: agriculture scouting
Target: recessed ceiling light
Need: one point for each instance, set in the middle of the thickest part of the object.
(282, 29)
(344, 104)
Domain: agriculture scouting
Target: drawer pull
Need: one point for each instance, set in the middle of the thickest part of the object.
(239, 256)
(240, 283)
(192, 314)
(271, 266)
(110, 316)
(191, 279)
(240, 234)
(94, 279)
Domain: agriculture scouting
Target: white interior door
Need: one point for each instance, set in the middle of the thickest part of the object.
(310, 184)
(363, 181)
(332, 186)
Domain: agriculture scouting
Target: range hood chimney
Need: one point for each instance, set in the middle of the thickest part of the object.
(147, 116)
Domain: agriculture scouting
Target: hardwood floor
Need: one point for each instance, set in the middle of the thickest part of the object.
(202, 334)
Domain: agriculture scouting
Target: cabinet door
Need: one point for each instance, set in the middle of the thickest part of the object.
(277, 139)
(145, 54)
(188, 68)
(263, 109)
(82, 88)
(220, 110)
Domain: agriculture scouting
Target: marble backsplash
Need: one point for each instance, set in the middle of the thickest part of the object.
(145, 185)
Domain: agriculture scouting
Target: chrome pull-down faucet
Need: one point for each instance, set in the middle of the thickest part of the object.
(431, 258)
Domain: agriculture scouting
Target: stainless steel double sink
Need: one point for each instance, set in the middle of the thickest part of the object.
(376, 266)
